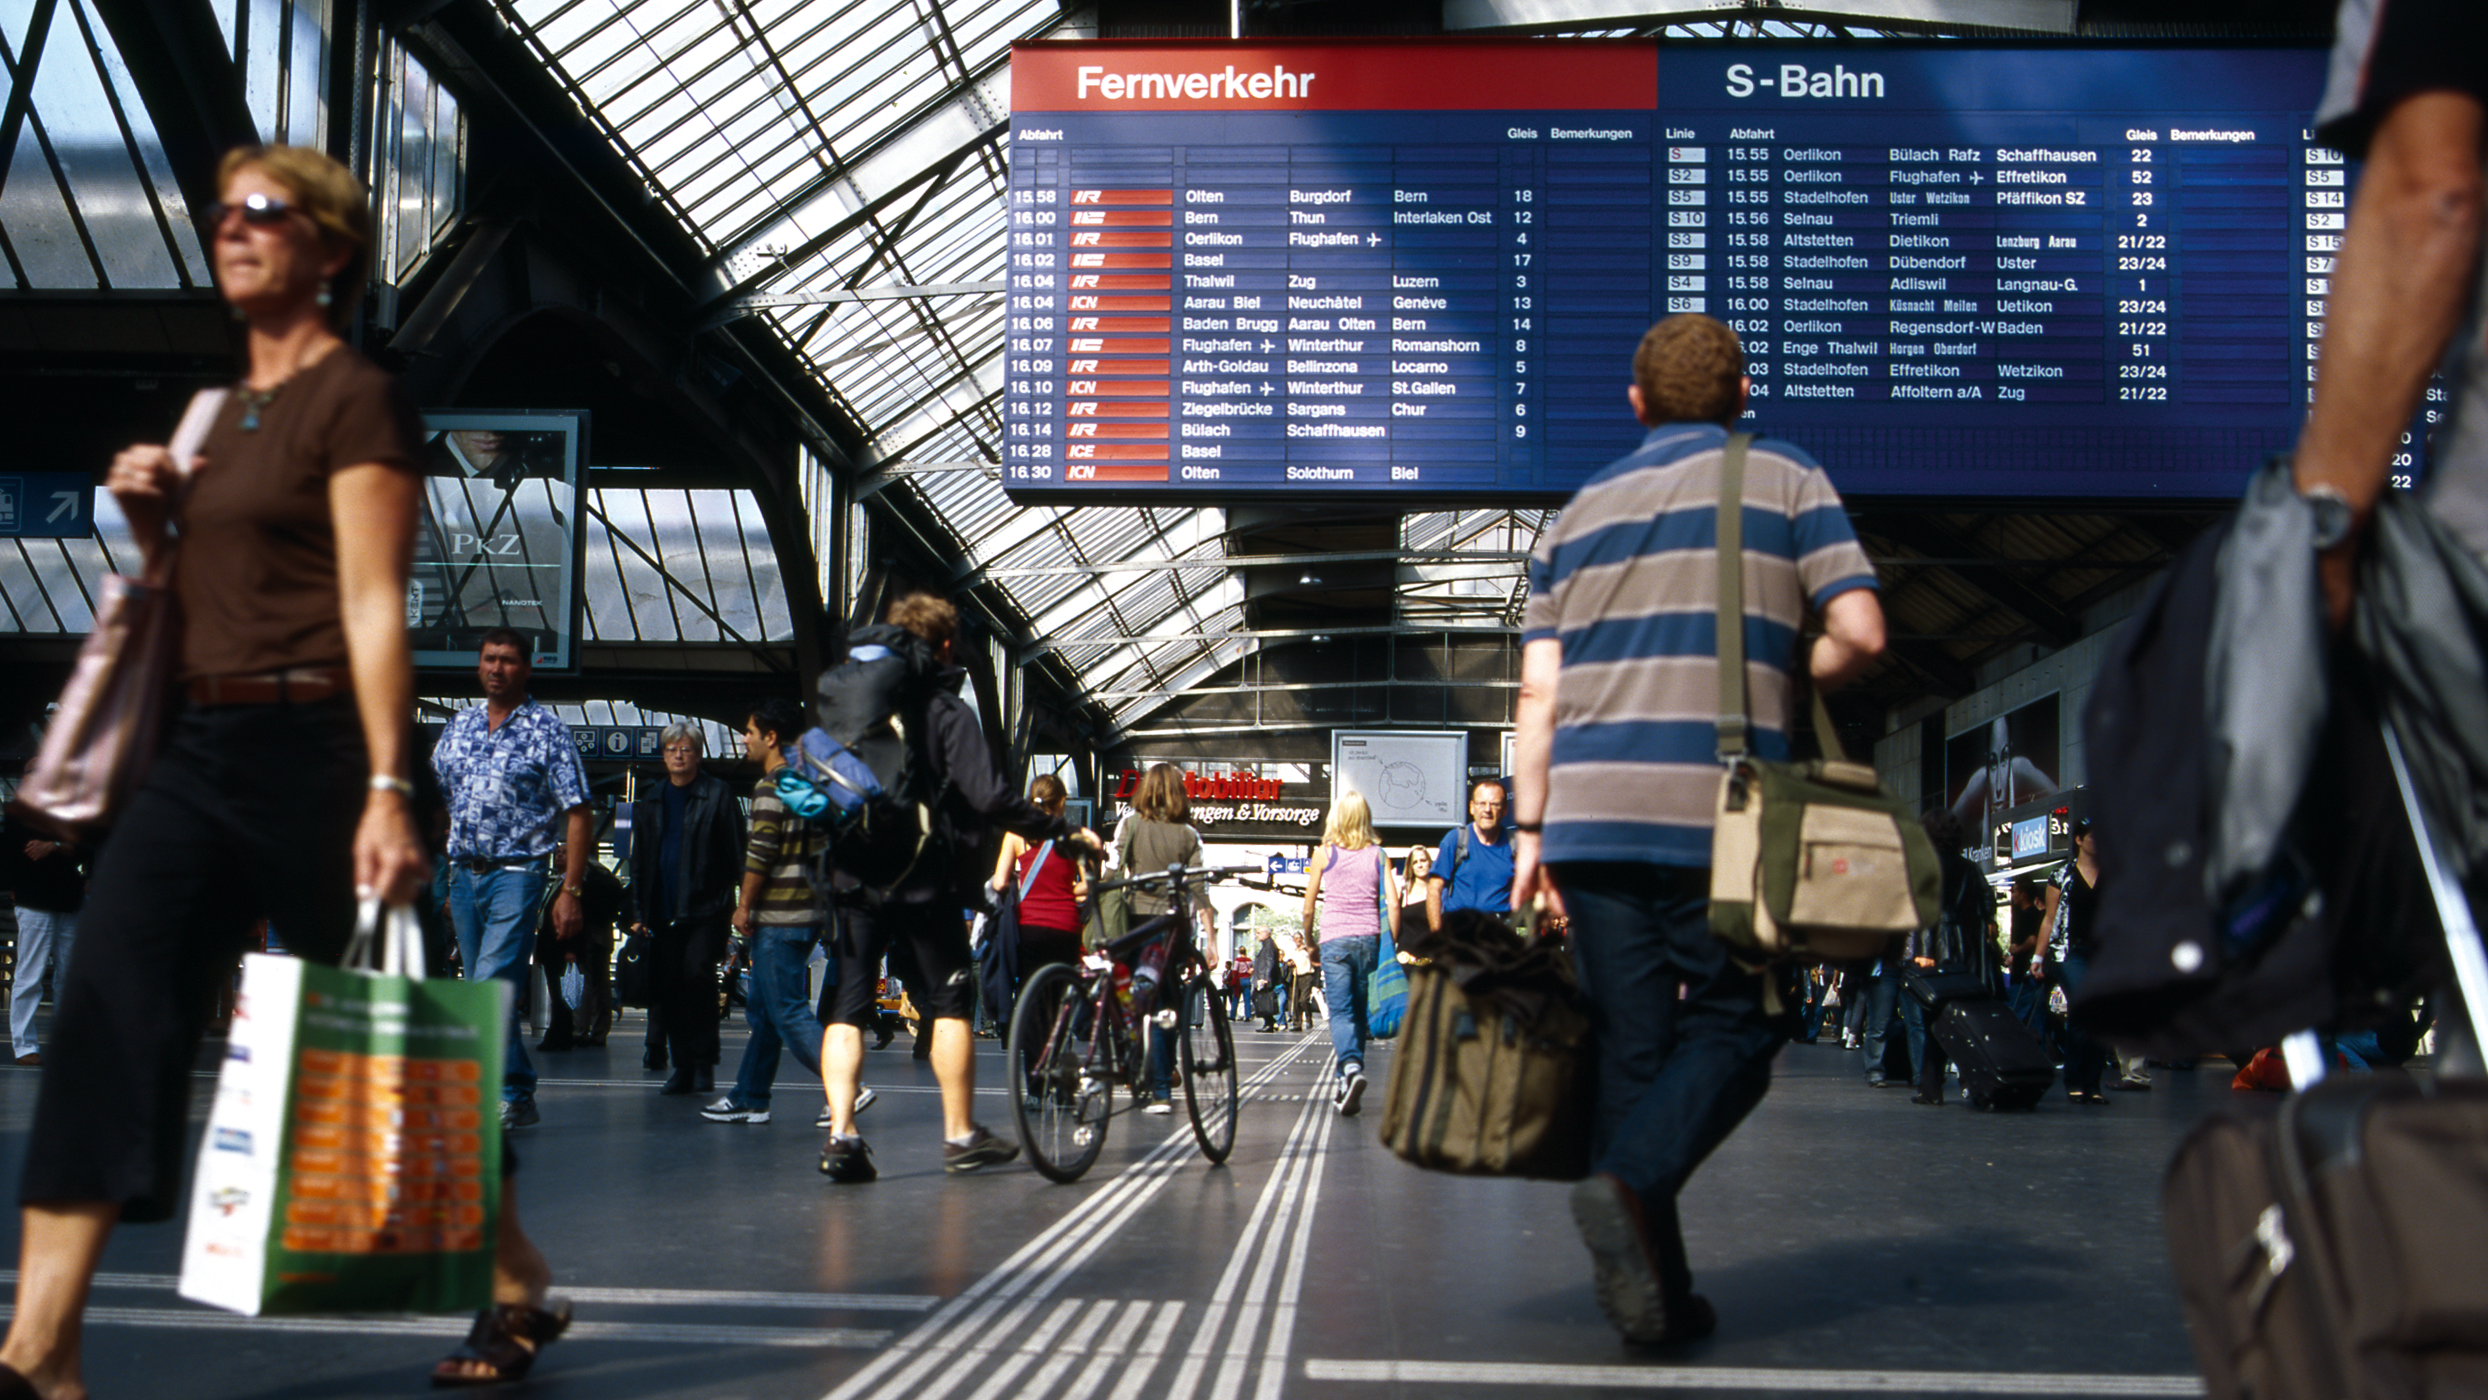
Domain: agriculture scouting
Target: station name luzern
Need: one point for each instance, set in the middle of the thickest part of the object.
(1203, 86)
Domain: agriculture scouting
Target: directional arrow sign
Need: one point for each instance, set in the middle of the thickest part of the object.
(47, 505)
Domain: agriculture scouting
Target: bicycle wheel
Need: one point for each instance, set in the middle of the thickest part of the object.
(1212, 1091)
(1061, 1116)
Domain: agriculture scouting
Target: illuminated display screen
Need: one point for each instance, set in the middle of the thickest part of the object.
(1380, 268)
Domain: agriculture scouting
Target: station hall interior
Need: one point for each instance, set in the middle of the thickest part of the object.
(745, 262)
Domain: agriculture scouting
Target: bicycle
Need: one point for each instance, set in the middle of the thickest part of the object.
(1075, 1037)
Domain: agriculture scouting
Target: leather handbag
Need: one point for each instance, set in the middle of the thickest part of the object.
(1495, 1067)
(1812, 861)
(112, 714)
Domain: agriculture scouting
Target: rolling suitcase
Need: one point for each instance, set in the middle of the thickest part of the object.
(2002, 1064)
(2331, 1249)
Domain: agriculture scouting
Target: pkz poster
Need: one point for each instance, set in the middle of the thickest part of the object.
(499, 543)
(2014, 758)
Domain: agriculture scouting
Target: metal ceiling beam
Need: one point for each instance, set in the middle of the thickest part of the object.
(1929, 537)
(1260, 561)
(1270, 634)
(745, 305)
(177, 57)
(2039, 16)
(22, 83)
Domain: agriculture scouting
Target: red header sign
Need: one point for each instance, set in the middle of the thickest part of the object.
(1217, 76)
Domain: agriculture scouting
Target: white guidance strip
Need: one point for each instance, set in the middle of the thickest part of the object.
(992, 1316)
(1746, 1379)
(636, 1297)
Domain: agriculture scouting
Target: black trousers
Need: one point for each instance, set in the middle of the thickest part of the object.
(682, 986)
(248, 812)
(592, 950)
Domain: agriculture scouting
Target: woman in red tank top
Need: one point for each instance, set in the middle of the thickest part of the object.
(1049, 907)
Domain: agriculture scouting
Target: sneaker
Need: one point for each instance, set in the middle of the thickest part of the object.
(982, 1149)
(519, 1113)
(1351, 1091)
(847, 1160)
(1608, 1216)
(726, 1110)
(1160, 1107)
(864, 1099)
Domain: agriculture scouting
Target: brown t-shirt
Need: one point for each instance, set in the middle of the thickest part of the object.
(257, 570)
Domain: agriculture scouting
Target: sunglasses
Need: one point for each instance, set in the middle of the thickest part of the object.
(256, 209)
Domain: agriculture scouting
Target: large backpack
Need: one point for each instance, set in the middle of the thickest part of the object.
(859, 775)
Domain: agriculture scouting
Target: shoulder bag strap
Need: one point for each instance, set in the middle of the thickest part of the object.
(1030, 881)
(1730, 536)
(1729, 540)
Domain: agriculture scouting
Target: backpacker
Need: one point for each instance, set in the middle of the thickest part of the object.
(857, 776)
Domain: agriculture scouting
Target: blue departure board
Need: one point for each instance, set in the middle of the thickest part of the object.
(1420, 271)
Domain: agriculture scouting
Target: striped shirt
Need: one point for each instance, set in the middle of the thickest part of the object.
(1627, 579)
(780, 848)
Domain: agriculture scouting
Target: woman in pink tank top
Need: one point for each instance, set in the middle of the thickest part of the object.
(1351, 884)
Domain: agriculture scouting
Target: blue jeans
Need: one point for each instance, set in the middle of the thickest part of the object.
(1347, 964)
(495, 914)
(779, 1011)
(1684, 1049)
(2085, 1059)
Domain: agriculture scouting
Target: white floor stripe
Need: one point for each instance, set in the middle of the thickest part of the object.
(1109, 1355)
(638, 1297)
(1283, 1321)
(1259, 1226)
(1738, 1378)
(1073, 1347)
(205, 1320)
(917, 1366)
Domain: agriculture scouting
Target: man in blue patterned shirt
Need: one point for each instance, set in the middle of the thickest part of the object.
(512, 777)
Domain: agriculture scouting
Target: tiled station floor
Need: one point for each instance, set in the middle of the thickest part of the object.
(1853, 1243)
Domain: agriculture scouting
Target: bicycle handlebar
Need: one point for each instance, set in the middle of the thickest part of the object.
(1177, 874)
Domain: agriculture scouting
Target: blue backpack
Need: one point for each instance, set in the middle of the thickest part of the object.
(855, 776)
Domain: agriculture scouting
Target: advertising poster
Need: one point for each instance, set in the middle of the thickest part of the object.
(2012, 759)
(499, 542)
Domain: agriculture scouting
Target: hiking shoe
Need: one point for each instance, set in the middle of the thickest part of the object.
(982, 1149)
(519, 1113)
(728, 1111)
(864, 1099)
(1351, 1091)
(1608, 1216)
(847, 1160)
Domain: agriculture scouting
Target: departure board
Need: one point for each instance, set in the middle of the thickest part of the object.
(1420, 271)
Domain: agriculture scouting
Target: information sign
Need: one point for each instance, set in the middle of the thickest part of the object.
(1407, 777)
(1959, 269)
(46, 505)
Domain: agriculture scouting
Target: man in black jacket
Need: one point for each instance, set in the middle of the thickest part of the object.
(921, 913)
(686, 861)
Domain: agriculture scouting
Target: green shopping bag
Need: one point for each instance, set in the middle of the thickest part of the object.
(353, 1154)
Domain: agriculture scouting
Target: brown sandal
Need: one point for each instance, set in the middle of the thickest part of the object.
(505, 1338)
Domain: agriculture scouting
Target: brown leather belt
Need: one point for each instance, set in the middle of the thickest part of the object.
(299, 686)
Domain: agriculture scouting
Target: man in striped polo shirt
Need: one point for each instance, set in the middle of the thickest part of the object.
(780, 917)
(1619, 772)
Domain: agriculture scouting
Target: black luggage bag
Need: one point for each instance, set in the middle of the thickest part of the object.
(1933, 987)
(1266, 1004)
(2332, 1249)
(2002, 1064)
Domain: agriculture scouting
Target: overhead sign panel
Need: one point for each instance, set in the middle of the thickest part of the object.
(1391, 269)
(46, 505)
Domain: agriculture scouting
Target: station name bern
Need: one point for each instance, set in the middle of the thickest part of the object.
(1274, 82)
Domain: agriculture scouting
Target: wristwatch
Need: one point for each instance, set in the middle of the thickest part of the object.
(575, 891)
(2332, 514)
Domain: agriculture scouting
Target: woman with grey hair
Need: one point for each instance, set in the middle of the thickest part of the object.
(686, 863)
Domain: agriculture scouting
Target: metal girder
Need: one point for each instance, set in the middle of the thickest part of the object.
(1937, 665)
(177, 57)
(1261, 561)
(1929, 537)
(2041, 16)
(1268, 634)
(742, 306)
(22, 83)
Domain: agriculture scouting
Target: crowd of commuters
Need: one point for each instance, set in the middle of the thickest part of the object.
(286, 785)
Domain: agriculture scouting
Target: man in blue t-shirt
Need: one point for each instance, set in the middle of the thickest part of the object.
(1481, 876)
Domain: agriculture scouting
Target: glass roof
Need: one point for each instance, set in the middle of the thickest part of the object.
(660, 566)
(833, 148)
